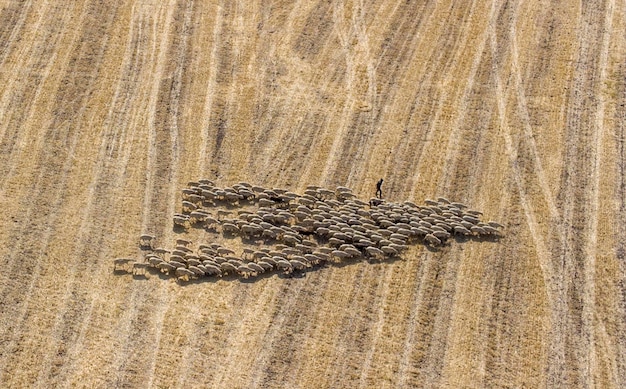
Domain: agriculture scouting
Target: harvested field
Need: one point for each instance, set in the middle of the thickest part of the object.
(517, 109)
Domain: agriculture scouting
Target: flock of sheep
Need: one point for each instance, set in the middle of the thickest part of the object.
(298, 232)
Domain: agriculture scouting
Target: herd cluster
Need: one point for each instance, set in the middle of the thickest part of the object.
(292, 232)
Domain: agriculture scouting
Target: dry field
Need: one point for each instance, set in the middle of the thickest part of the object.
(517, 108)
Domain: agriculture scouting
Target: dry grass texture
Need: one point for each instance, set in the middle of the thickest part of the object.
(108, 108)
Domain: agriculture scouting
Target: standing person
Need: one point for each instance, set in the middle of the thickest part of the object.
(379, 191)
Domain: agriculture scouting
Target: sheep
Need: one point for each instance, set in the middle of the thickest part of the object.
(177, 255)
(160, 251)
(223, 251)
(398, 236)
(188, 192)
(166, 267)
(397, 241)
(213, 270)
(265, 265)
(491, 230)
(353, 251)
(343, 189)
(398, 247)
(269, 234)
(375, 253)
(312, 259)
(208, 261)
(256, 267)
(388, 250)
(431, 202)
(364, 243)
(341, 236)
(460, 230)
(467, 224)
(146, 241)
(233, 198)
(181, 221)
(478, 230)
(189, 206)
(471, 219)
(195, 199)
(284, 265)
(384, 233)
(442, 235)
(323, 257)
(432, 240)
(325, 193)
(197, 271)
(305, 201)
(384, 223)
(335, 242)
(298, 265)
(234, 261)
(437, 228)
(311, 192)
(210, 222)
(197, 217)
(177, 264)
(291, 239)
(251, 230)
(322, 231)
(445, 226)
(184, 274)
(290, 252)
(271, 260)
(247, 254)
(121, 264)
(205, 181)
(309, 243)
(405, 232)
(183, 248)
(221, 214)
(154, 261)
(443, 200)
(265, 202)
(205, 247)
(193, 262)
(339, 254)
(227, 268)
(229, 228)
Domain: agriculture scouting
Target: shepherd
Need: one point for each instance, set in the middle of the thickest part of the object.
(379, 191)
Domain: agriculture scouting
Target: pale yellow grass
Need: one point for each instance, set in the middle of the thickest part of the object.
(107, 109)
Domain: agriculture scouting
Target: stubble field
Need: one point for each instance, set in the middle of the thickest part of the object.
(516, 108)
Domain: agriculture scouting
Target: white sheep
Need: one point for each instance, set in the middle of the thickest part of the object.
(298, 265)
(154, 261)
(256, 267)
(146, 241)
(230, 228)
(284, 265)
(121, 264)
(227, 268)
(432, 240)
(184, 274)
(188, 206)
(374, 252)
(181, 221)
(166, 267)
(196, 271)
